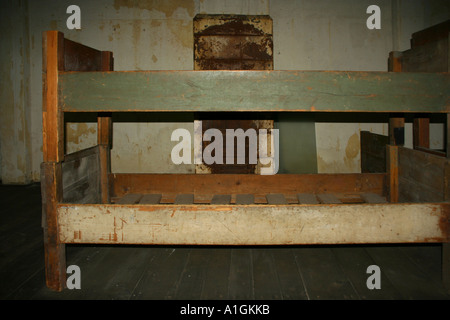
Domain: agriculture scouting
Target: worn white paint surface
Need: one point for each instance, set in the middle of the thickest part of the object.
(156, 35)
(231, 224)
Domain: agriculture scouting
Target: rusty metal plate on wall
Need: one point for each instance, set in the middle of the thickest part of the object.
(232, 42)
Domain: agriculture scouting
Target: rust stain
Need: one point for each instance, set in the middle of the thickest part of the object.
(235, 25)
(155, 23)
(353, 146)
(77, 133)
(167, 7)
(182, 31)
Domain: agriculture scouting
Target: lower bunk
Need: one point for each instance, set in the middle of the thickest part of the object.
(407, 202)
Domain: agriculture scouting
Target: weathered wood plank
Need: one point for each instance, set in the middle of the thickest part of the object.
(184, 199)
(245, 199)
(253, 224)
(221, 199)
(130, 198)
(150, 199)
(276, 198)
(328, 198)
(254, 91)
(307, 198)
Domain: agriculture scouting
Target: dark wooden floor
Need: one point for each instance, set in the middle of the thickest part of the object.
(179, 272)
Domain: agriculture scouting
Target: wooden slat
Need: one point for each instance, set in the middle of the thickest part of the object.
(130, 198)
(184, 199)
(255, 91)
(254, 224)
(221, 199)
(328, 198)
(307, 198)
(373, 198)
(276, 198)
(150, 199)
(245, 199)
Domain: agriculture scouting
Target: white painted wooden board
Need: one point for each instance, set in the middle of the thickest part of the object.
(253, 224)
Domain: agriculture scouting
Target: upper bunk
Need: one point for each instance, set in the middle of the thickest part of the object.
(83, 81)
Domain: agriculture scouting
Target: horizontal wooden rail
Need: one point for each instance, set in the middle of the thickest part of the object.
(123, 183)
(253, 224)
(264, 91)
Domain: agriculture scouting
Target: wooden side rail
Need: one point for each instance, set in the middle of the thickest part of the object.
(122, 184)
(269, 91)
(253, 224)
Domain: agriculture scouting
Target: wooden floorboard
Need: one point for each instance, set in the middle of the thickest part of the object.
(323, 275)
(217, 272)
(210, 273)
(354, 261)
(408, 279)
(240, 281)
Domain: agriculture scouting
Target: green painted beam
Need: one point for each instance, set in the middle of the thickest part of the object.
(255, 91)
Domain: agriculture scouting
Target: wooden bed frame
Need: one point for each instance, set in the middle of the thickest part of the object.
(84, 202)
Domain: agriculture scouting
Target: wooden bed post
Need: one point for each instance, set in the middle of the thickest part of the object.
(396, 135)
(446, 246)
(104, 136)
(392, 170)
(53, 152)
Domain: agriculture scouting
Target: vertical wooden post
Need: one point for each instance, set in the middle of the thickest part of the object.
(421, 133)
(392, 170)
(397, 131)
(104, 136)
(395, 61)
(52, 117)
(53, 152)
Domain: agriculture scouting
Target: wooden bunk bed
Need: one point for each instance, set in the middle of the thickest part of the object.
(84, 202)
